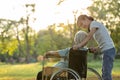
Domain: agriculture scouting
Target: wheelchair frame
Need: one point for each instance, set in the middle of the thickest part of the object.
(75, 74)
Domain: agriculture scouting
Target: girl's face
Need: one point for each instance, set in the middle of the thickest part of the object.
(83, 23)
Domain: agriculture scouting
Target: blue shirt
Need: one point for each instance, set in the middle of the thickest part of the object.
(63, 63)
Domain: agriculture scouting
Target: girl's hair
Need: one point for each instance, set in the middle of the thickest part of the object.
(80, 36)
(82, 17)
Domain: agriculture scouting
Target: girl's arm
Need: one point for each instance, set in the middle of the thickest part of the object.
(85, 41)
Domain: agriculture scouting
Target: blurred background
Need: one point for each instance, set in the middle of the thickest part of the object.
(29, 28)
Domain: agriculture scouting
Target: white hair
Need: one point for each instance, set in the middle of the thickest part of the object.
(80, 36)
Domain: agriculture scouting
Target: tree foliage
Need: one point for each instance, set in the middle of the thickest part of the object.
(13, 43)
(51, 40)
(7, 43)
(18, 40)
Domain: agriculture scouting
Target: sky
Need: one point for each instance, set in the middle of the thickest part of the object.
(46, 13)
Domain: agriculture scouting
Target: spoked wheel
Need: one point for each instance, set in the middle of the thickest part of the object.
(65, 74)
(92, 74)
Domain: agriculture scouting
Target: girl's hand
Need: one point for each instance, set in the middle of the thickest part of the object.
(93, 49)
(75, 47)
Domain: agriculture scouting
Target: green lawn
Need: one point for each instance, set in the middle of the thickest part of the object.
(18, 71)
(29, 71)
(116, 69)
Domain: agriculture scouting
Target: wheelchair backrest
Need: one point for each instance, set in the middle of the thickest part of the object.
(78, 61)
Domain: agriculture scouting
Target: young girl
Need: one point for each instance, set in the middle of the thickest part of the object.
(100, 33)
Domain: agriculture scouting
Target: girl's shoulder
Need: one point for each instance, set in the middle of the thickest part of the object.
(95, 24)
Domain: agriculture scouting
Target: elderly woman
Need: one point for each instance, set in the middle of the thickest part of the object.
(79, 36)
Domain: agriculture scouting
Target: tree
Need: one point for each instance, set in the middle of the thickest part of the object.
(6, 35)
(51, 39)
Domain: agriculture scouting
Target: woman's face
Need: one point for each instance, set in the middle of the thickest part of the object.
(83, 23)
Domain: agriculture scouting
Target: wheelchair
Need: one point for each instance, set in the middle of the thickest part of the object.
(77, 69)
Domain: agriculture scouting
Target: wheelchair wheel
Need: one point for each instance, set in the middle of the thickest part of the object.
(92, 74)
(65, 74)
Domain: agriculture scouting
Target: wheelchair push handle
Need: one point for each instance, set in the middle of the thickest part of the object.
(91, 50)
(82, 49)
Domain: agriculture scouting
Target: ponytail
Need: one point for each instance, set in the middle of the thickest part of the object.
(82, 17)
(90, 18)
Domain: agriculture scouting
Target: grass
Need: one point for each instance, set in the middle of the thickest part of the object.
(29, 71)
(18, 71)
(116, 69)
